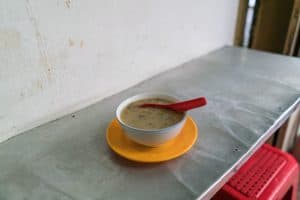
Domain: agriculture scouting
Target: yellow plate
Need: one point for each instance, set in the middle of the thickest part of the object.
(125, 147)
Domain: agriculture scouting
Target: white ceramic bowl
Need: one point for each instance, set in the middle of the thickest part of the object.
(153, 137)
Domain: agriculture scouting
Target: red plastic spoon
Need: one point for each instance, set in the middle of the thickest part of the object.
(179, 106)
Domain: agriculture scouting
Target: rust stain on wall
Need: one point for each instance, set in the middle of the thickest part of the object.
(71, 42)
(81, 44)
(40, 41)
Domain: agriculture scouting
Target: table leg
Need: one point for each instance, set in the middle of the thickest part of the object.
(288, 132)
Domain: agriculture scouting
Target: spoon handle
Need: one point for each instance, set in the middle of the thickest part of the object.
(188, 105)
(180, 106)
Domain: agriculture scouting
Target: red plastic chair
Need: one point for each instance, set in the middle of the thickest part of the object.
(268, 174)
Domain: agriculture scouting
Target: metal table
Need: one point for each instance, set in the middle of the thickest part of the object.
(250, 94)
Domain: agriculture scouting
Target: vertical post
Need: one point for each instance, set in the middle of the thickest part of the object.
(240, 23)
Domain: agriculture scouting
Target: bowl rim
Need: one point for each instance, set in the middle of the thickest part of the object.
(141, 96)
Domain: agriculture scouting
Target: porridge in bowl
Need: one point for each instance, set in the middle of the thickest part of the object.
(148, 117)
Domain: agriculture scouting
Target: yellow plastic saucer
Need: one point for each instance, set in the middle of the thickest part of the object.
(126, 148)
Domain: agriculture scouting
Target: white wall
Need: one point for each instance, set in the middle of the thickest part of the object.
(57, 56)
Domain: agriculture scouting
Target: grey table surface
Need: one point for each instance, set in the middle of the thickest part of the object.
(249, 94)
